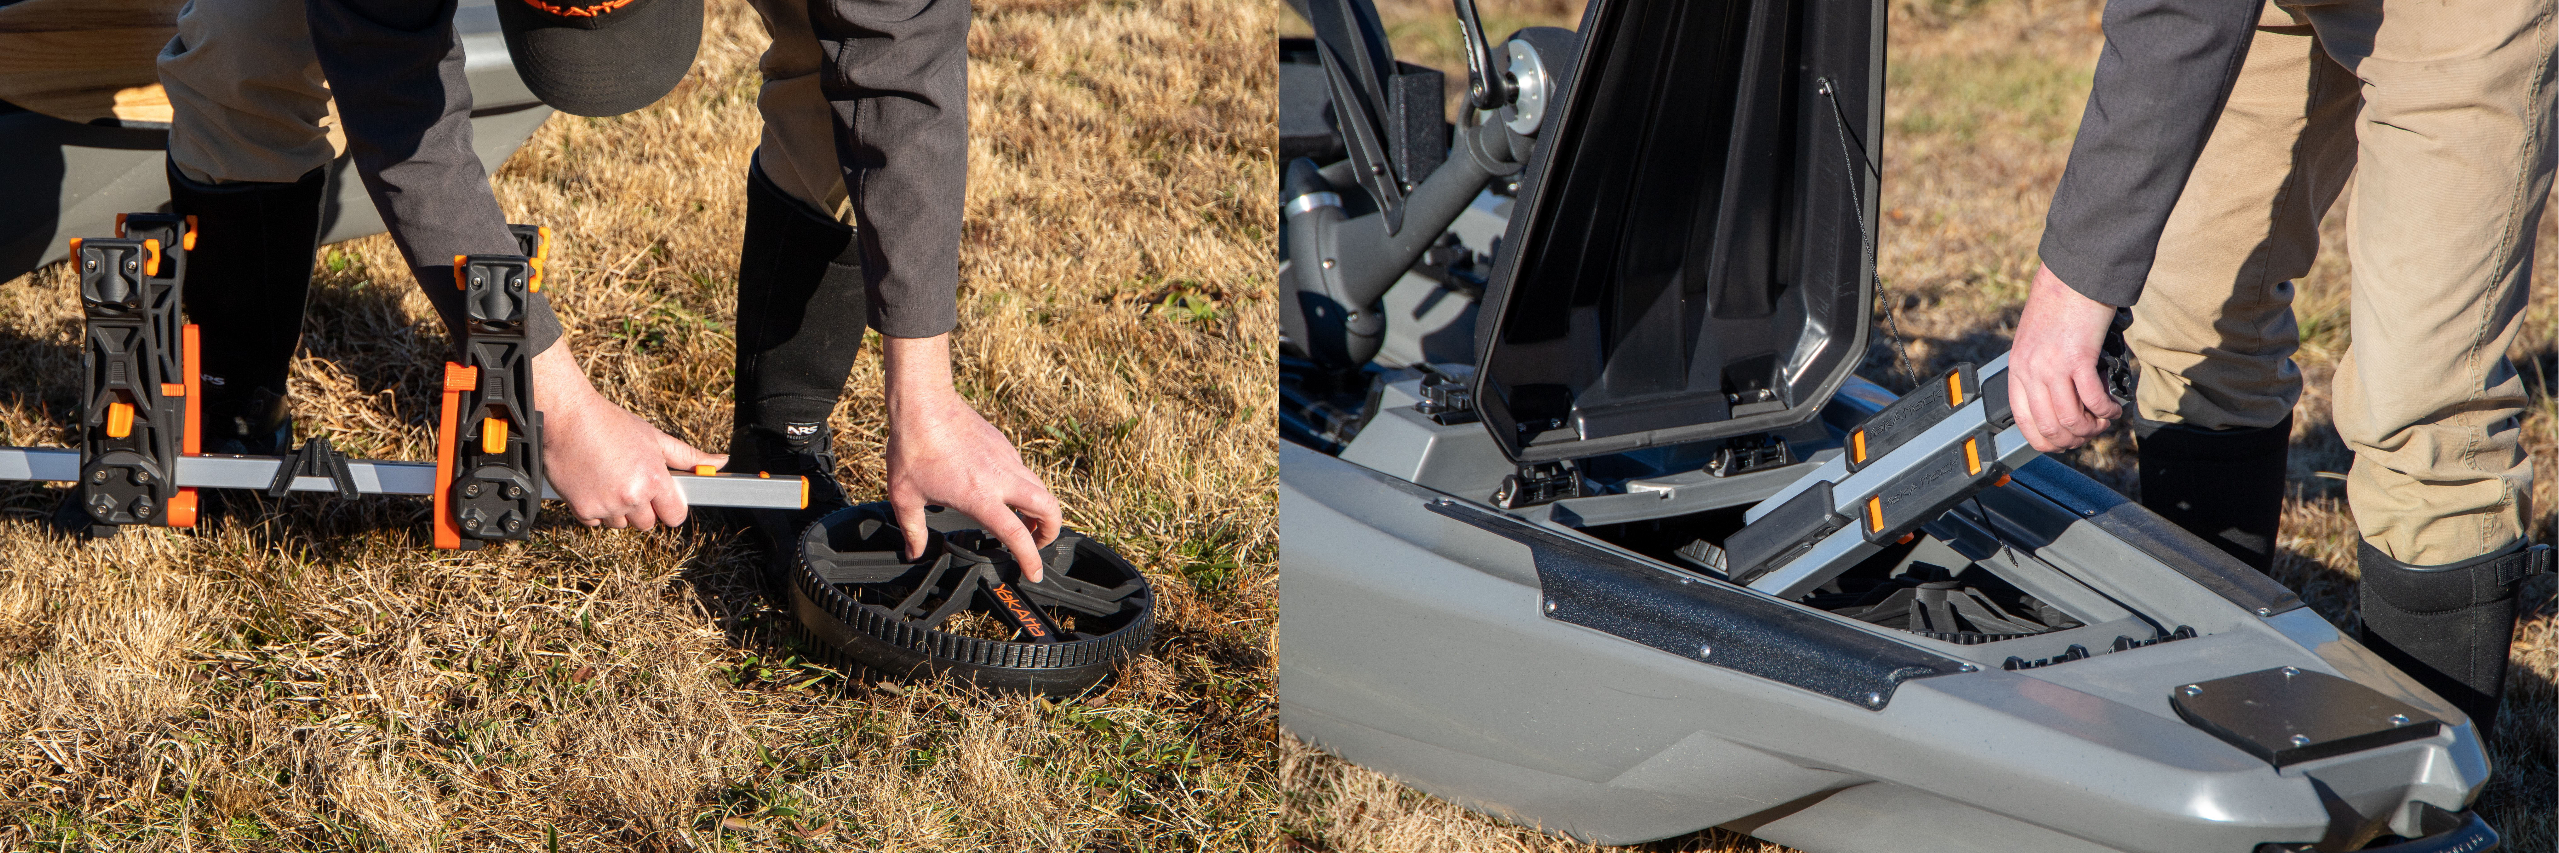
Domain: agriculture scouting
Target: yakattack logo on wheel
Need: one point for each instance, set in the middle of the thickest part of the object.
(1021, 611)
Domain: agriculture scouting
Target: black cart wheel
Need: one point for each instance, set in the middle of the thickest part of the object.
(962, 609)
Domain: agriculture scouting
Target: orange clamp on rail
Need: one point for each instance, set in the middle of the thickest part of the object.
(457, 379)
(1857, 447)
(1972, 455)
(190, 348)
(188, 242)
(120, 226)
(704, 470)
(1955, 388)
(459, 281)
(191, 427)
(493, 435)
(1875, 514)
(151, 266)
(181, 509)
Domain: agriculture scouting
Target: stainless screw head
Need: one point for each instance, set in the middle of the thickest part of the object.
(99, 477)
(2398, 719)
(1328, 263)
(471, 491)
(2191, 690)
(1550, 605)
(2265, 611)
(1704, 650)
(1875, 699)
(2290, 671)
(2301, 740)
(514, 492)
(1968, 668)
(142, 478)
(514, 524)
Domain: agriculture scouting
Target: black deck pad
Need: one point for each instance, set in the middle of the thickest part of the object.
(2288, 716)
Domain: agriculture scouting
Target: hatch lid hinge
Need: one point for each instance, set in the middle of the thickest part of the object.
(1744, 454)
(1540, 483)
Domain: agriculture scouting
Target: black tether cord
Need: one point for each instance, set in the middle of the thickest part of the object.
(1848, 162)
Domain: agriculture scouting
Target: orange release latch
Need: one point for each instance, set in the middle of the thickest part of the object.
(191, 429)
(119, 419)
(457, 379)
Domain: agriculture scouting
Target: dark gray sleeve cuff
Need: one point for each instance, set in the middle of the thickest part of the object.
(2160, 84)
(896, 78)
(921, 324)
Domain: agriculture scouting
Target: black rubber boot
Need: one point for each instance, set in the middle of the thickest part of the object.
(2226, 486)
(2450, 625)
(247, 280)
(800, 321)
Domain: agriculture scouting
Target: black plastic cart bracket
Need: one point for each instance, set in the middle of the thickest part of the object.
(489, 435)
(316, 458)
(137, 364)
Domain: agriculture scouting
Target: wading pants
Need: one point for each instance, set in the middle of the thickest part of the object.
(2441, 112)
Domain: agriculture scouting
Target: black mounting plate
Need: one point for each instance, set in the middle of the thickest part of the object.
(2288, 715)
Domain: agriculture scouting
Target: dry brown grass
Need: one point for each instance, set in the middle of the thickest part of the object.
(1982, 101)
(320, 680)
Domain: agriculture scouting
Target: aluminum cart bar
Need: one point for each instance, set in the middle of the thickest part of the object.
(1941, 444)
(140, 462)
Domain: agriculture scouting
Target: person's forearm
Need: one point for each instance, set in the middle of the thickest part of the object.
(916, 371)
(558, 383)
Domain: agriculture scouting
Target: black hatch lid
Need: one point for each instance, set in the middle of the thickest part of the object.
(1693, 258)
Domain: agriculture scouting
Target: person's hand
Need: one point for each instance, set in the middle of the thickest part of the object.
(2053, 384)
(942, 452)
(609, 465)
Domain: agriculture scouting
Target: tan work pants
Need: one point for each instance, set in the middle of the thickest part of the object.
(798, 148)
(246, 94)
(271, 122)
(2443, 115)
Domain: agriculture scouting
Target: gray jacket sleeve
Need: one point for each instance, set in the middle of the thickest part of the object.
(396, 69)
(2166, 70)
(896, 77)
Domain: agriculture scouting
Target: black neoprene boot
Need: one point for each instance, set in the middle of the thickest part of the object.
(2226, 486)
(247, 280)
(800, 320)
(2449, 626)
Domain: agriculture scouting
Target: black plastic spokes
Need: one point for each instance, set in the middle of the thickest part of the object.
(969, 569)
